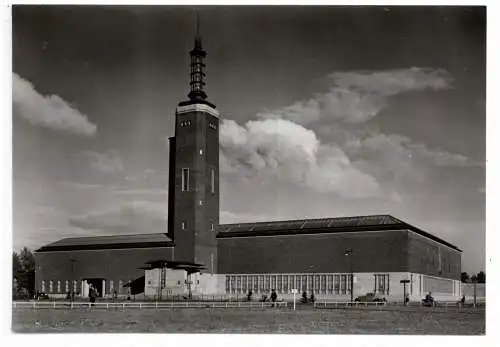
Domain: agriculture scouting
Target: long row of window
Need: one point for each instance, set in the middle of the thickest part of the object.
(339, 284)
(62, 287)
(313, 283)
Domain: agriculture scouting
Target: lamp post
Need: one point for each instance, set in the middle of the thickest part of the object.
(71, 291)
(475, 292)
(348, 253)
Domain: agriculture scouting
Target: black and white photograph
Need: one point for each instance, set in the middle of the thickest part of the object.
(256, 169)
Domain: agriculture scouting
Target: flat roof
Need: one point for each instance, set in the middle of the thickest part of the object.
(275, 228)
(323, 225)
(109, 242)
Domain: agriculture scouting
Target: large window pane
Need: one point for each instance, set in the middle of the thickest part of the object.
(316, 284)
(244, 284)
(323, 284)
(185, 179)
(330, 284)
(233, 284)
(337, 284)
(238, 284)
(310, 283)
(304, 283)
(297, 282)
(261, 284)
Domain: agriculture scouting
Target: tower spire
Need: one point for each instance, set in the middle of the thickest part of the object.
(197, 83)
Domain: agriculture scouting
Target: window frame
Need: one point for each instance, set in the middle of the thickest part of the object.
(185, 179)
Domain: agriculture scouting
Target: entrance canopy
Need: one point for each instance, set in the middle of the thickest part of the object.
(176, 265)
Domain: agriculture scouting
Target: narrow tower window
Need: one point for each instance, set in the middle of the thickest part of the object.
(212, 180)
(185, 179)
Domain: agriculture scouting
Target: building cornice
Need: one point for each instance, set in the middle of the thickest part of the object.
(197, 107)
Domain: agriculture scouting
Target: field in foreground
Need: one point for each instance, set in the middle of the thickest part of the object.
(306, 321)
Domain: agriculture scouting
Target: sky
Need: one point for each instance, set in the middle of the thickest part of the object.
(325, 112)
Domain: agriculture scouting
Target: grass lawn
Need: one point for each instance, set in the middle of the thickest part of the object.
(304, 321)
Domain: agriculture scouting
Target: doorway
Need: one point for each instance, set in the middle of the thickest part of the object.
(96, 283)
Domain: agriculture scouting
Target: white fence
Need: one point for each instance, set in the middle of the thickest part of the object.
(446, 305)
(141, 305)
(337, 304)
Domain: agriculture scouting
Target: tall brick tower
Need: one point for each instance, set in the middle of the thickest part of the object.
(194, 172)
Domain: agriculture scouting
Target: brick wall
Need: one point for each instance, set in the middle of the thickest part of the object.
(431, 258)
(373, 252)
(116, 265)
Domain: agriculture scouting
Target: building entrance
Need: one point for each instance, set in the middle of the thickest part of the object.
(96, 283)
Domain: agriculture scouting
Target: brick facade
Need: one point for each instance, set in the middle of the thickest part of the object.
(116, 265)
(195, 212)
(384, 251)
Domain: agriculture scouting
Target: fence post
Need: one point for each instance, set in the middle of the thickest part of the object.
(156, 304)
(107, 306)
(34, 304)
(140, 305)
(123, 306)
(54, 304)
(71, 305)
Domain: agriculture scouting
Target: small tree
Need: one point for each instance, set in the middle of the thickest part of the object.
(464, 276)
(23, 270)
(481, 277)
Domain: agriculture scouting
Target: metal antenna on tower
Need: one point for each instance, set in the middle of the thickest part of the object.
(197, 24)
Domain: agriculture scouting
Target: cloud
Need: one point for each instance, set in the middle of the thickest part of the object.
(228, 217)
(132, 217)
(78, 185)
(442, 158)
(351, 159)
(281, 149)
(108, 162)
(396, 153)
(48, 111)
(358, 96)
(392, 82)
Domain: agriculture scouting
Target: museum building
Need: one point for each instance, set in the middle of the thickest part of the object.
(330, 257)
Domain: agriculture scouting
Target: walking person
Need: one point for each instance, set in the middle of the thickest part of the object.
(274, 296)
